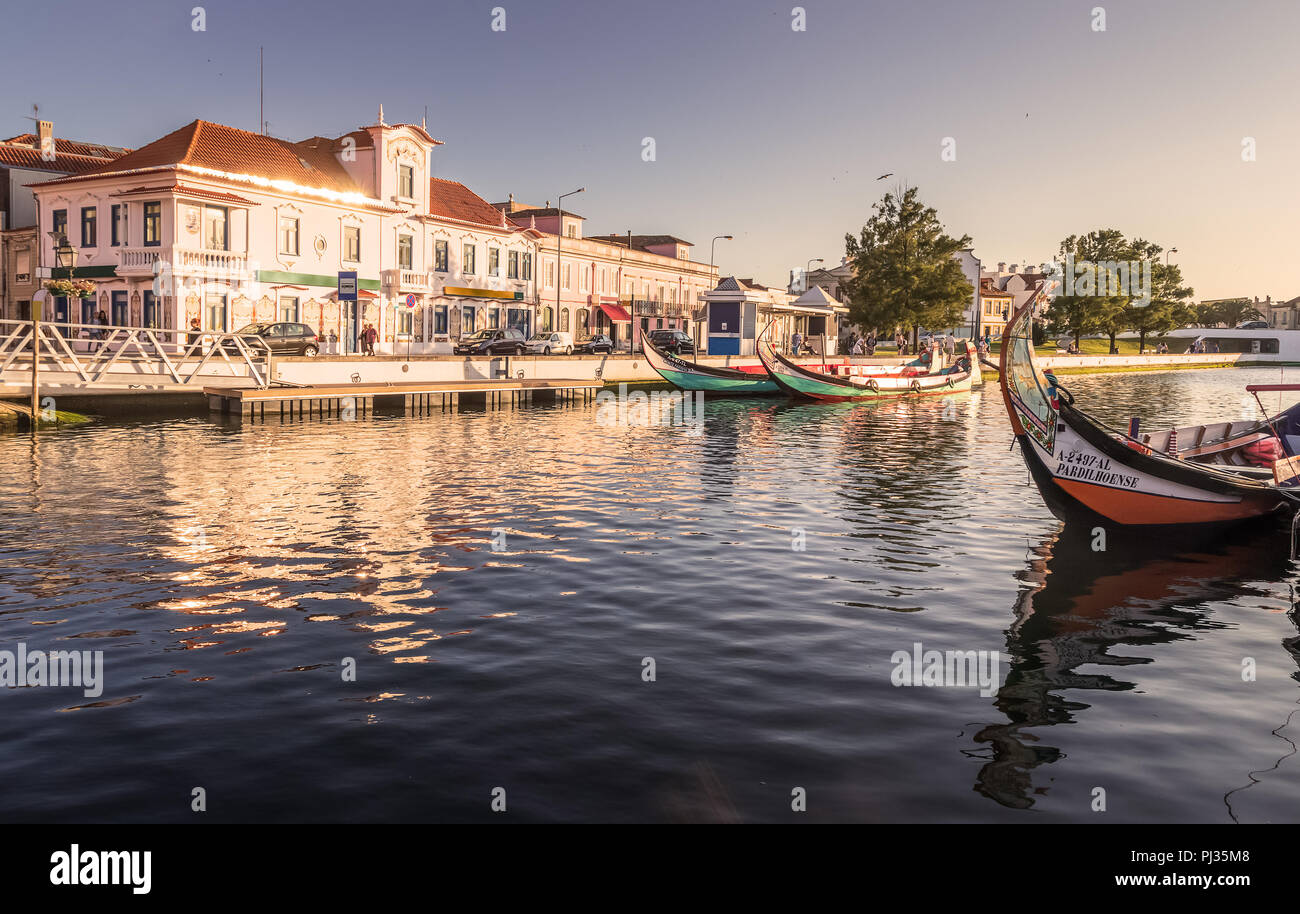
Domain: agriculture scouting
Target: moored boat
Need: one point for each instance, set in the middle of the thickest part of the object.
(691, 376)
(877, 381)
(1085, 469)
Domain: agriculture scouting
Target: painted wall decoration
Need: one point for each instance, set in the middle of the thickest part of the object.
(265, 309)
(241, 311)
(135, 310)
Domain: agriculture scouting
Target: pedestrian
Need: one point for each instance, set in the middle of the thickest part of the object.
(796, 342)
(196, 330)
(333, 342)
(368, 339)
(871, 343)
(949, 348)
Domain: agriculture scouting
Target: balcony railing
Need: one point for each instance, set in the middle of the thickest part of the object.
(183, 260)
(401, 281)
(646, 308)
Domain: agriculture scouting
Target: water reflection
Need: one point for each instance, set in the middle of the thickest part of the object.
(1079, 605)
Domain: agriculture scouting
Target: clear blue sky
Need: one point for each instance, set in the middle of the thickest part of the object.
(772, 135)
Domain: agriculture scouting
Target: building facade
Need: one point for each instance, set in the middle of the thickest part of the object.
(24, 160)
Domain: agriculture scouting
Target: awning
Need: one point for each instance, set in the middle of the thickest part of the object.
(616, 313)
(362, 295)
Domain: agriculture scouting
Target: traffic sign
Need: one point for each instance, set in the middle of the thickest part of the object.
(348, 285)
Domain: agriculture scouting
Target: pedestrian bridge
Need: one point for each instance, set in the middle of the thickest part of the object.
(105, 359)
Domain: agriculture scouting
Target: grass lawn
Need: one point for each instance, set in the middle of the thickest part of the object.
(1102, 347)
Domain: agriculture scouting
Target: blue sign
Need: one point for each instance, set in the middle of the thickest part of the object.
(410, 301)
(348, 285)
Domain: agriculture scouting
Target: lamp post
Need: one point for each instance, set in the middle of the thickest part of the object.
(65, 255)
(1167, 253)
(559, 240)
(808, 269)
(712, 247)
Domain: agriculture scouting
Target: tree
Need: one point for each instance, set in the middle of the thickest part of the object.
(1170, 306)
(1230, 311)
(904, 272)
(1109, 295)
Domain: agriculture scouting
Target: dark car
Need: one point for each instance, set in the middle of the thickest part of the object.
(674, 341)
(598, 343)
(283, 338)
(1253, 325)
(492, 342)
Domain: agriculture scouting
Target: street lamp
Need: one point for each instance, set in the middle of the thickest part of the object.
(712, 247)
(559, 239)
(1167, 253)
(808, 269)
(65, 255)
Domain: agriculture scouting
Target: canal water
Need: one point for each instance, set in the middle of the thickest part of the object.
(411, 618)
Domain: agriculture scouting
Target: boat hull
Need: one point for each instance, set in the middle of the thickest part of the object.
(800, 381)
(1082, 469)
(689, 376)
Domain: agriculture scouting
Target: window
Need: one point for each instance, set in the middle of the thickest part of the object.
(528, 266)
(582, 329)
(512, 265)
(23, 266)
(215, 236)
(440, 256)
(215, 311)
(466, 320)
(571, 231)
(568, 276)
(406, 181)
(405, 321)
(117, 231)
(405, 251)
(440, 319)
(119, 316)
(600, 280)
(494, 261)
(60, 221)
(289, 309)
(494, 318)
(582, 279)
(467, 259)
(550, 275)
(564, 320)
(289, 235)
(89, 224)
(544, 320)
(153, 224)
(352, 243)
(151, 312)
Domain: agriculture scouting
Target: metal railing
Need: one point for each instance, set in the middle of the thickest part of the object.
(91, 351)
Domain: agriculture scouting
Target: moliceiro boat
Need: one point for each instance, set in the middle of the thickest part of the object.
(870, 382)
(690, 376)
(1086, 470)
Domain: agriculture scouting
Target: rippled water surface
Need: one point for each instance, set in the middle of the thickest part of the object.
(499, 579)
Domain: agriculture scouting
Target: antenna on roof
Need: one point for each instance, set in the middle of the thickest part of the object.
(261, 94)
(424, 121)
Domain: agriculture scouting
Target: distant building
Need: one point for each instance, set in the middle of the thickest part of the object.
(739, 310)
(28, 159)
(995, 307)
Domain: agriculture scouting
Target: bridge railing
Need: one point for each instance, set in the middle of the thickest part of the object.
(94, 351)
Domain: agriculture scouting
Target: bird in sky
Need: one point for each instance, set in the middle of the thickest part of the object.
(882, 177)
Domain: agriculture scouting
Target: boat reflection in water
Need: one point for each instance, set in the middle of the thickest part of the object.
(1080, 605)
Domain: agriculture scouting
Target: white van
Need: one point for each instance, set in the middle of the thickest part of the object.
(546, 343)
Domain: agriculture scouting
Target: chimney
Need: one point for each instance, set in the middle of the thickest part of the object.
(45, 138)
(1015, 268)
(1002, 266)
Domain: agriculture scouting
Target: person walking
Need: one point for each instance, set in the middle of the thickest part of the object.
(796, 342)
(196, 330)
(368, 338)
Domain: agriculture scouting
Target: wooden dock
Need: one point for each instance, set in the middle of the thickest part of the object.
(409, 396)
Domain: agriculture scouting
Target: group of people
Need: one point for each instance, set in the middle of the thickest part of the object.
(1201, 347)
(856, 344)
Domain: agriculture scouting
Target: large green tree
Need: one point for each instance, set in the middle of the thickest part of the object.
(1230, 311)
(904, 272)
(1101, 298)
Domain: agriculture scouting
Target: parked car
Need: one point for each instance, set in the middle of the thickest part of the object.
(674, 341)
(598, 343)
(1253, 325)
(546, 343)
(505, 341)
(283, 338)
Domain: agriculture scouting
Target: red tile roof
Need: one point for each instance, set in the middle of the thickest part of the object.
(64, 163)
(215, 146)
(72, 147)
(453, 200)
(186, 190)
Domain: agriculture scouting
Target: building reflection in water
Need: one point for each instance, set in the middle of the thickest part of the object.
(1078, 606)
